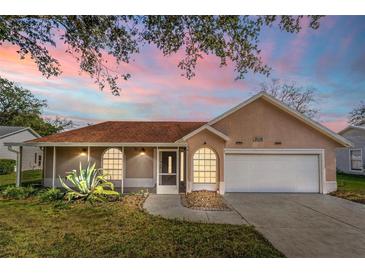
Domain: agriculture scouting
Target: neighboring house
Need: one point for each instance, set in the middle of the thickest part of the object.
(352, 160)
(261, 145)
(32, 156)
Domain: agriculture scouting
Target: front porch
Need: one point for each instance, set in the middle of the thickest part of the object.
(131, 168)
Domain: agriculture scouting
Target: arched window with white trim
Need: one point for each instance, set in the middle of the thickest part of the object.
(112, 164)
(205, 166)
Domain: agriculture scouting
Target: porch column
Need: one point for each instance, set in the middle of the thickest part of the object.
(19, 158)
(157, 169)
(54, 167)
(187, 171)
(88, 154)
(123, 171)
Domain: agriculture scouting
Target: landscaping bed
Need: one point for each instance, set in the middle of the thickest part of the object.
(31, 228)
(350, 187)
(204, 200)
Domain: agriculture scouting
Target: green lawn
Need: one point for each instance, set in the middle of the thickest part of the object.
(31, 229)
(351, 187)
(28, 176)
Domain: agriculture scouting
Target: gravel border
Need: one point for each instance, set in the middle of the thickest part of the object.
(184, 203)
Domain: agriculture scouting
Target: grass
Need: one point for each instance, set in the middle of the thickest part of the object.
(28, 176)
(350, 187)
(119, 229)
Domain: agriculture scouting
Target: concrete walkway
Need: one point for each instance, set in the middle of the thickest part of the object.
(169, 206)
(299, 225)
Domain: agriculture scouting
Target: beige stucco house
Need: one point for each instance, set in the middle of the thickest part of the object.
(261, 145)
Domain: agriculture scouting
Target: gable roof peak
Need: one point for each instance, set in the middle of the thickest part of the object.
(274, 101)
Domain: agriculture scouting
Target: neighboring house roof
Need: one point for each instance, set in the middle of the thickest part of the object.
(351, 127)
(125, 132)
(6, 131)
(334, 136)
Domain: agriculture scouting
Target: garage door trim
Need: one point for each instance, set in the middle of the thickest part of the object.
(285, 151)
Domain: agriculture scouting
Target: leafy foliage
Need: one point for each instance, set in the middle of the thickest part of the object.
(232, 39)
(50, 195)
(298, 98)
(89, 184)
(13, 192)
(357, 115)
(19, 107)
(6, 166)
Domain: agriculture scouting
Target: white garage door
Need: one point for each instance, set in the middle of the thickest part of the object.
(271, 173)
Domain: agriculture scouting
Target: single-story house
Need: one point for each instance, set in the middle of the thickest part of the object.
(32, 157)
(352, 160)
(261, 145)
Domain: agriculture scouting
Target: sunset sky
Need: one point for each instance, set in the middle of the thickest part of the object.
(330, 59)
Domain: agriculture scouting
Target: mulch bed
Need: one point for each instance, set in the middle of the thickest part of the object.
(352, 196)
(204, 200)
(134, 201)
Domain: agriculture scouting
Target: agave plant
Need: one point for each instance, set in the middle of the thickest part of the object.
(88, 184)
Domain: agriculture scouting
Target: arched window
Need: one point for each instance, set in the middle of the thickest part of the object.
(204, 166)
(112, 164)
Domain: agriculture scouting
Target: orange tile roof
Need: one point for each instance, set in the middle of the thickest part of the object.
(125, 132)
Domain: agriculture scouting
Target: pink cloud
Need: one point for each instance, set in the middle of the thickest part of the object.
(336, 125)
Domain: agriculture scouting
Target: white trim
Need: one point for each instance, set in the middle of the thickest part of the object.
(167, 189)
(54, 167)
(362, 161)
(207, 127)
(295, 151)
(85, 144)
(301, 117)
(273, 150)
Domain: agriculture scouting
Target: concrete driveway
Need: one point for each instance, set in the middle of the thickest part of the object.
(305, 225)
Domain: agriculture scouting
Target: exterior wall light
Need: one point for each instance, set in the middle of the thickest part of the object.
(83, 152)
(143, 152)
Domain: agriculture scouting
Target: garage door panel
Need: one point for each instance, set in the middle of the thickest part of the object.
(271, 173)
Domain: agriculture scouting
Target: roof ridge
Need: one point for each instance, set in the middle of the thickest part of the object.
(144, 121)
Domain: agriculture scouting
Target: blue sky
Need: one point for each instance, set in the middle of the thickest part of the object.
(330, 59)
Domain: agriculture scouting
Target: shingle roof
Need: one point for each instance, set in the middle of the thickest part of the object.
(125, 132)
(5, 130)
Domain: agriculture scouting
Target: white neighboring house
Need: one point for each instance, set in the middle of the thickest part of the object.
(32, 157)
(352, 160)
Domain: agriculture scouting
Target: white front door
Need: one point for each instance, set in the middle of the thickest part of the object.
(271, 173)
(167, 171)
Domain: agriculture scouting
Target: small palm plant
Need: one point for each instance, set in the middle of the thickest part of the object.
(88, 184)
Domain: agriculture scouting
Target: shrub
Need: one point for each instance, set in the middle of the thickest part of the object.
(6, 166)
(89, 184)
(13, 192)
(50, 195)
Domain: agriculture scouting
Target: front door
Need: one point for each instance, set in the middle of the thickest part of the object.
(167, 179)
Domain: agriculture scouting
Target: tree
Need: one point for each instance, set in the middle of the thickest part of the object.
(357, 115)
(19, 107)
(232, 39)
(297, 97)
